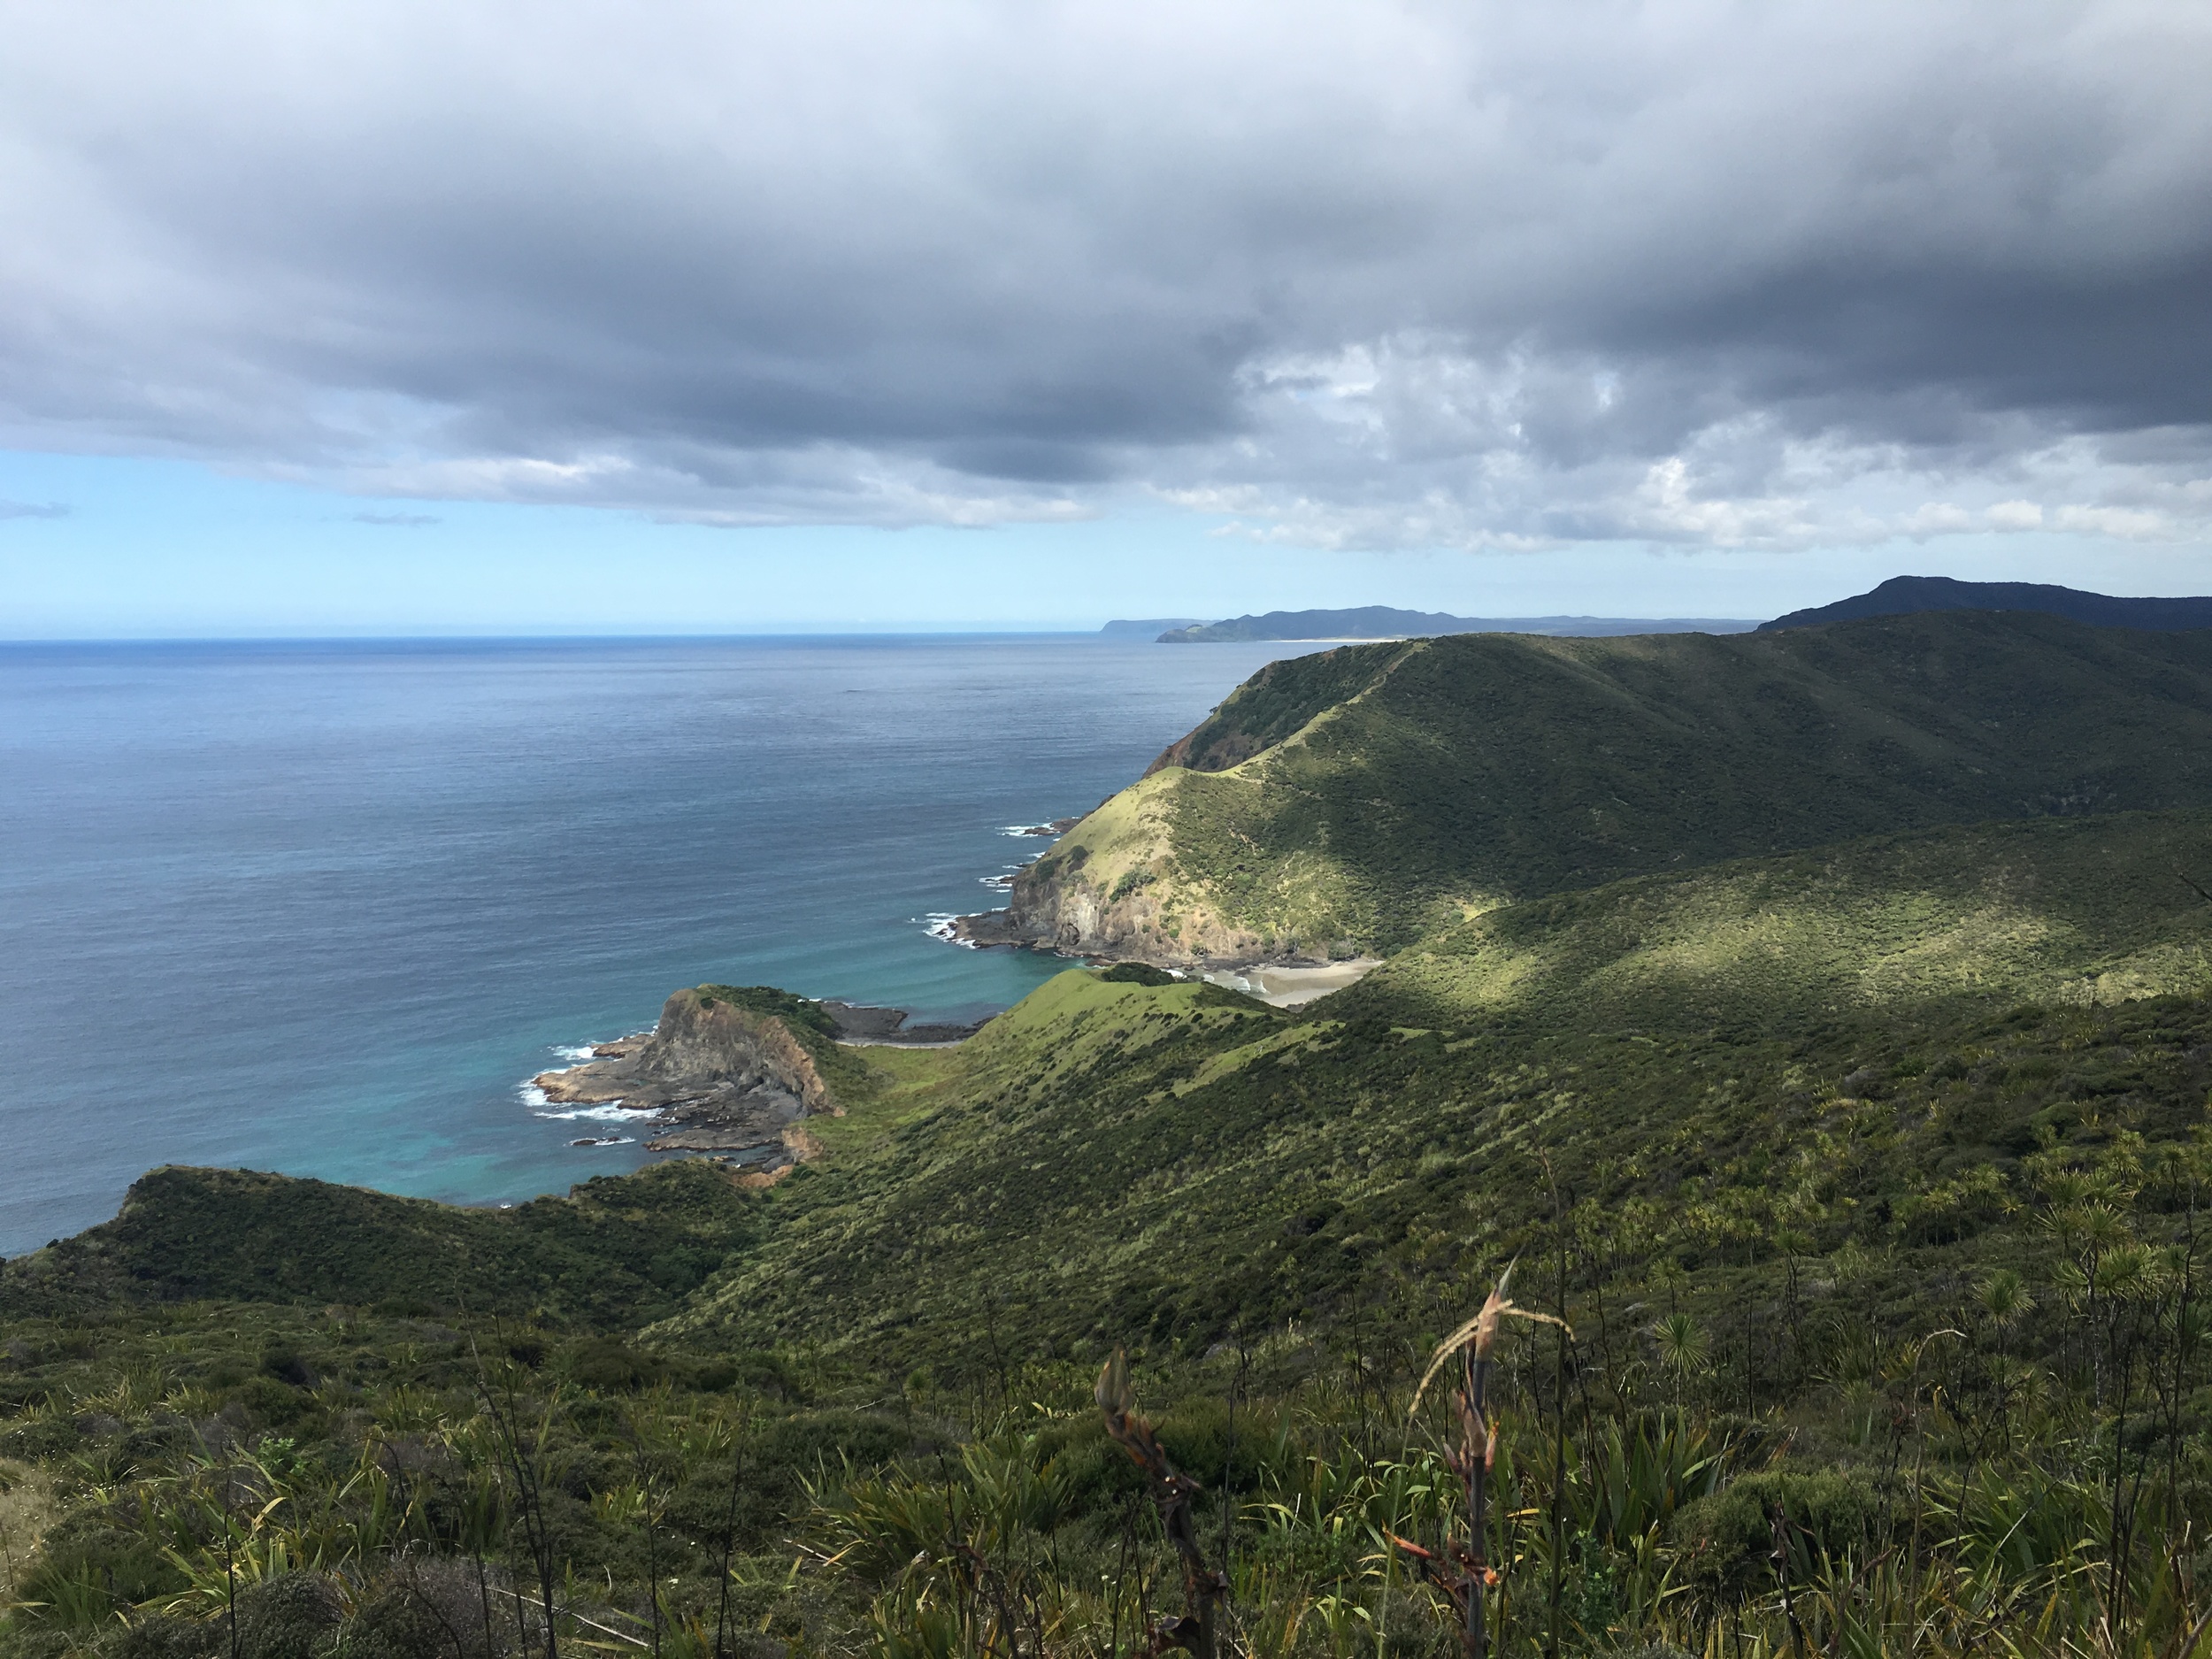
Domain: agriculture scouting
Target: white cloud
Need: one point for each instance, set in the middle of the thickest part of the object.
(1384, 274)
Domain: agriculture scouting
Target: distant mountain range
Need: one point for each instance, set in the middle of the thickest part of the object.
(1900, 595)
(1383, 622)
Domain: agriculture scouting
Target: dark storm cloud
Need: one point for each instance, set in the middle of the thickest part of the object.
(1358, 274)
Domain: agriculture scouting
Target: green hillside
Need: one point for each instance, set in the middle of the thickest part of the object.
(1112, 1156)
(617, 1252)
(2066, 911)
(1357, 799)
(1893, 1227)
(1798, 1018)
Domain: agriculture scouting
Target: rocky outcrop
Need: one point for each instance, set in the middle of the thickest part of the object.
(701, 1046)
(1055, 905)
(1117, 885)
(723, 1078)
(703, 1039)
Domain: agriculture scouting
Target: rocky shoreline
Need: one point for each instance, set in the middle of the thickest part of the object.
(860, 1025)
(734, 1083)
(714, 1077)
(720, 1077)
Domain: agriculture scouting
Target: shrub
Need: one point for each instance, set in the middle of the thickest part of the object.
(1728, 1538)
(607, 1366)
(422, 1607)
(291, 1616)
(1137, 974)
(88, 1571)
(285, 1364)
(277, 1404)
(160, 1638)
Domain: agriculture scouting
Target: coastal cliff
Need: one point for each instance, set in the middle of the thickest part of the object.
(1113, 888)
(1121, 883)
(703, 1044)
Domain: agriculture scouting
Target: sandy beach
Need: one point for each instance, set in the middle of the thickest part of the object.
(1289, 986)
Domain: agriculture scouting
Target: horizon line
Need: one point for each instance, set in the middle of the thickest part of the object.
(1061, 630)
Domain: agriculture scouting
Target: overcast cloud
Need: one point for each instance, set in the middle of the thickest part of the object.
(1366, 274)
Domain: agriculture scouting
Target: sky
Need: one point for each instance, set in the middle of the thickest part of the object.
(573, 317)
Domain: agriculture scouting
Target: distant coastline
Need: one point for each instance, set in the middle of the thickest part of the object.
(1368, 624)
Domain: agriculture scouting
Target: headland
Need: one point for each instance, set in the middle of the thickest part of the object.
(735, 1071)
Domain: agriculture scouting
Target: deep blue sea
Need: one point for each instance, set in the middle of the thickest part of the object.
(323, 908)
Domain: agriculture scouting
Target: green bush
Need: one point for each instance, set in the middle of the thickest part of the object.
(1137, 974)
(1094, 1472)
(773, 1472)
(89, 1572)
(49, 1436)
(1728, 1538)
(275, 1403)
(160, 1638)
(1196, 1436)
(283, 1362)
(424, 1608)
(293, 1616)
(608, 1366)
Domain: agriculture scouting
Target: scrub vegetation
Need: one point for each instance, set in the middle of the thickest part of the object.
(1823, 1233)
(1366, 797)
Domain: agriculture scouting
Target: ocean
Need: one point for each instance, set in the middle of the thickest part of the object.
(323, 908)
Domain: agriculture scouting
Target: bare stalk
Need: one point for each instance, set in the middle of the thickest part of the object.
(1463, 1571)
(1198, 1631)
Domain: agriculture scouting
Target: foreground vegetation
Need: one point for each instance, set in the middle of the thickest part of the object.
(1911, 1354)
(1788, 1415)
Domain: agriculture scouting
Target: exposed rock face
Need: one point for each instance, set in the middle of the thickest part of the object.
(1115, 886)
(723, 1078)
(1214, 746)
(719, 1043)
(1057, 907)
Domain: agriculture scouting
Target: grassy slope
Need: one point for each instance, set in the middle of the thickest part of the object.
(1166, 1165)
(2061, 911)
(1194, 1192)
(1115, 1163)
(617, 1252)
(1276, 702)
(1479, 769)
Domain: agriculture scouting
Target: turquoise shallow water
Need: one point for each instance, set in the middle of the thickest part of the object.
(322, 908)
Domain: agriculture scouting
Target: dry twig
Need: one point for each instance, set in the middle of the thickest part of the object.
(1198, 1631)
